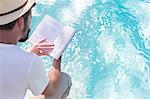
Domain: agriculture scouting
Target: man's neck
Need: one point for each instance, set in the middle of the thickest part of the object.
(8, 37)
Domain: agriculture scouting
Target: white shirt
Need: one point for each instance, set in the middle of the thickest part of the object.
(20, 71)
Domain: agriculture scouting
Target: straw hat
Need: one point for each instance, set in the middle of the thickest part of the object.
(11, 10)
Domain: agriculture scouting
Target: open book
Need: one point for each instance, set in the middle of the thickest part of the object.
(55, 32)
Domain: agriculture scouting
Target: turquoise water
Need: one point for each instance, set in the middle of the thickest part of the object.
(109, 57)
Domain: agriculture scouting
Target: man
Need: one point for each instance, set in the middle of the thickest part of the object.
(21, 70)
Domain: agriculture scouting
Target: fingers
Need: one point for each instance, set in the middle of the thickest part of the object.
(42, 41)
(44, 50)
(43, 53)
(45, 45)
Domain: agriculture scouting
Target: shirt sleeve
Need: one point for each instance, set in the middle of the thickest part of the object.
(37, 78)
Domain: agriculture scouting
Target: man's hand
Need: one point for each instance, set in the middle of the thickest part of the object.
(42, 48)
(54, 78)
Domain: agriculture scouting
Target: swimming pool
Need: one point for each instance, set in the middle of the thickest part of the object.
(109, 57)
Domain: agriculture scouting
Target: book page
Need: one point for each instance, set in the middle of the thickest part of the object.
(62, 41)
(48, 28)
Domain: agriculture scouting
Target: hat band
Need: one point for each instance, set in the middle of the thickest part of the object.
(14, 9)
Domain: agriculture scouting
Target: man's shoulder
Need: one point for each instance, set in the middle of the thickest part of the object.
(26, 55)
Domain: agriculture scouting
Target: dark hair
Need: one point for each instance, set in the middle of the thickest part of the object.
(11, 25)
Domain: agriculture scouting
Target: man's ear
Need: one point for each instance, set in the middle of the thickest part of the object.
(21, 23)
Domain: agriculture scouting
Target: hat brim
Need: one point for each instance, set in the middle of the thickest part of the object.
(15, 15)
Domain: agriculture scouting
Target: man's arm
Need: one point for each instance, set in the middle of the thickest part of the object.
(54, 76)
(55, 73)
